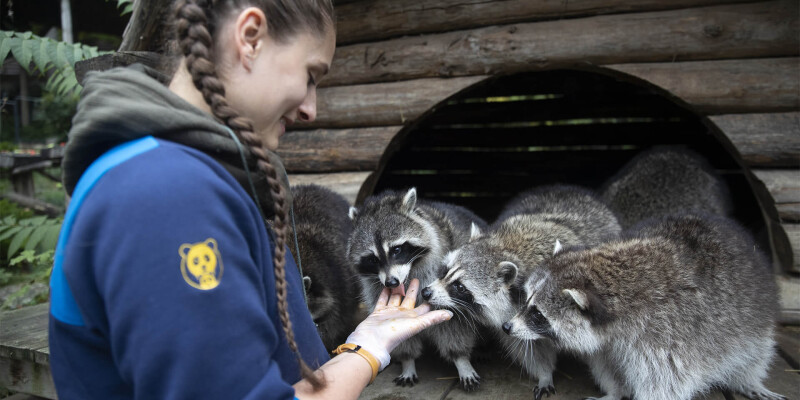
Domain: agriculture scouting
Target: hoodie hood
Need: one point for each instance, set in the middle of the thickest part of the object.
(124, 104)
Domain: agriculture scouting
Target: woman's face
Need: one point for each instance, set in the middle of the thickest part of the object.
(276, 85)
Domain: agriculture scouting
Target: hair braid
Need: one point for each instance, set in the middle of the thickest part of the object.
(196, 43)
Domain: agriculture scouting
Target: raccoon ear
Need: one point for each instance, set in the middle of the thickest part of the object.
(557, 247)
(578, 296)
(474, 232)
(409, 201)
(352, 213)
(508, 272)
(307, 283)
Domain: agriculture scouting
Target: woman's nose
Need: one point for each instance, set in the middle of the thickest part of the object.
(307, 112)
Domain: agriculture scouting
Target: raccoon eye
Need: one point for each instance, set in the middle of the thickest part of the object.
(396, 250)
(372, 259)
(460, 288)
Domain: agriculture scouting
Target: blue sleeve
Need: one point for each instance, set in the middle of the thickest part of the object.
(178, 260)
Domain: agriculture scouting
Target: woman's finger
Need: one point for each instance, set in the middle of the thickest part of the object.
(422, 309)
(394, 300)
(411, 294)
(382, 299)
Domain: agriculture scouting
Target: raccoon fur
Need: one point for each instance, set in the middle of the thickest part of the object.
(675, 307)
(483, 279)
(332, 286)
(665, 180)
(398, 237)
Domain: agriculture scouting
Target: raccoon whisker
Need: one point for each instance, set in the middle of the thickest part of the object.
(416, 255)
(467, 314)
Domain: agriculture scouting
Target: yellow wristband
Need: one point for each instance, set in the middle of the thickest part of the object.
(353, 348)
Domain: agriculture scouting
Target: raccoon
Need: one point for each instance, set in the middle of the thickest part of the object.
(675, 307)
(398, 237)
(332, 286)
(483, 279)
(664, 180)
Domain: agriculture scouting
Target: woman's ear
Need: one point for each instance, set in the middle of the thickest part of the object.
(249, 34)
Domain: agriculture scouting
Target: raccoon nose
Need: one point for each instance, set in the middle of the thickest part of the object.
(427, 293)
(392, 282)
(507, 328)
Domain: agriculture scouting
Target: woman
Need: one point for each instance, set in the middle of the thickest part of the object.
(167, 282)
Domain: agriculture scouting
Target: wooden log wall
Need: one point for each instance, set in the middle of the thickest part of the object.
(736, 61)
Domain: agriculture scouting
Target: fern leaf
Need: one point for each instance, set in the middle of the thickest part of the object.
(18, 240)
(5, 45)
(77, 53)
(24, 53)
(50, 240)
(37, 221)
(36, 237)
(41, 55)
(64, 55)
(7, 234)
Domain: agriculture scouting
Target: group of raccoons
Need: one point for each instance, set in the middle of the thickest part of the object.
(648, 279)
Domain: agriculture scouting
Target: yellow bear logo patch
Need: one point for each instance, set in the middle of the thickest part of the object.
(201, 264)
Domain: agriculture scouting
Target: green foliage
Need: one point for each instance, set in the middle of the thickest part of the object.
(125, 5)
(50, 58)
(40, 263)
(52, 118)
(37, 233)
(29, 245)
(8, 208)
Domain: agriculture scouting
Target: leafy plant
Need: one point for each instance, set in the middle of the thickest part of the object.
(125, 5)
(53, 59)
(33, 241)
(37, 233)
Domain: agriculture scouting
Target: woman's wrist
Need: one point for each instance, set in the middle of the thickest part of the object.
(373, 362)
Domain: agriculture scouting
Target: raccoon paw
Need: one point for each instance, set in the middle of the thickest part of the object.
(403, 380)
(470, 382)
(538, 392)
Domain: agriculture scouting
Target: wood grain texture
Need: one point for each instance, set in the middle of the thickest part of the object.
(764, 29)
(764, 140)
(727, 86)
(334, 150)
(381, 19)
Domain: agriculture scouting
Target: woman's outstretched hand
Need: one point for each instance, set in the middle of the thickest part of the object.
(394, 320)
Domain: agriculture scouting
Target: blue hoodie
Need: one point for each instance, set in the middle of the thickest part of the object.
(163, 286)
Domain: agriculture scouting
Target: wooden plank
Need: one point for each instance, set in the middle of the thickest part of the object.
(728, 86)
(793, 233)
(789, 287)
(24, 334)
(392, 103)
(753, 30)
(27, 377)
(381, 19)
(782, 377)
(764, 140)
(346, 184)
(335, 150)
(784, 187)
(724, 86)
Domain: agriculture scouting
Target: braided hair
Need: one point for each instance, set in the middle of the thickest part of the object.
(196, 23)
